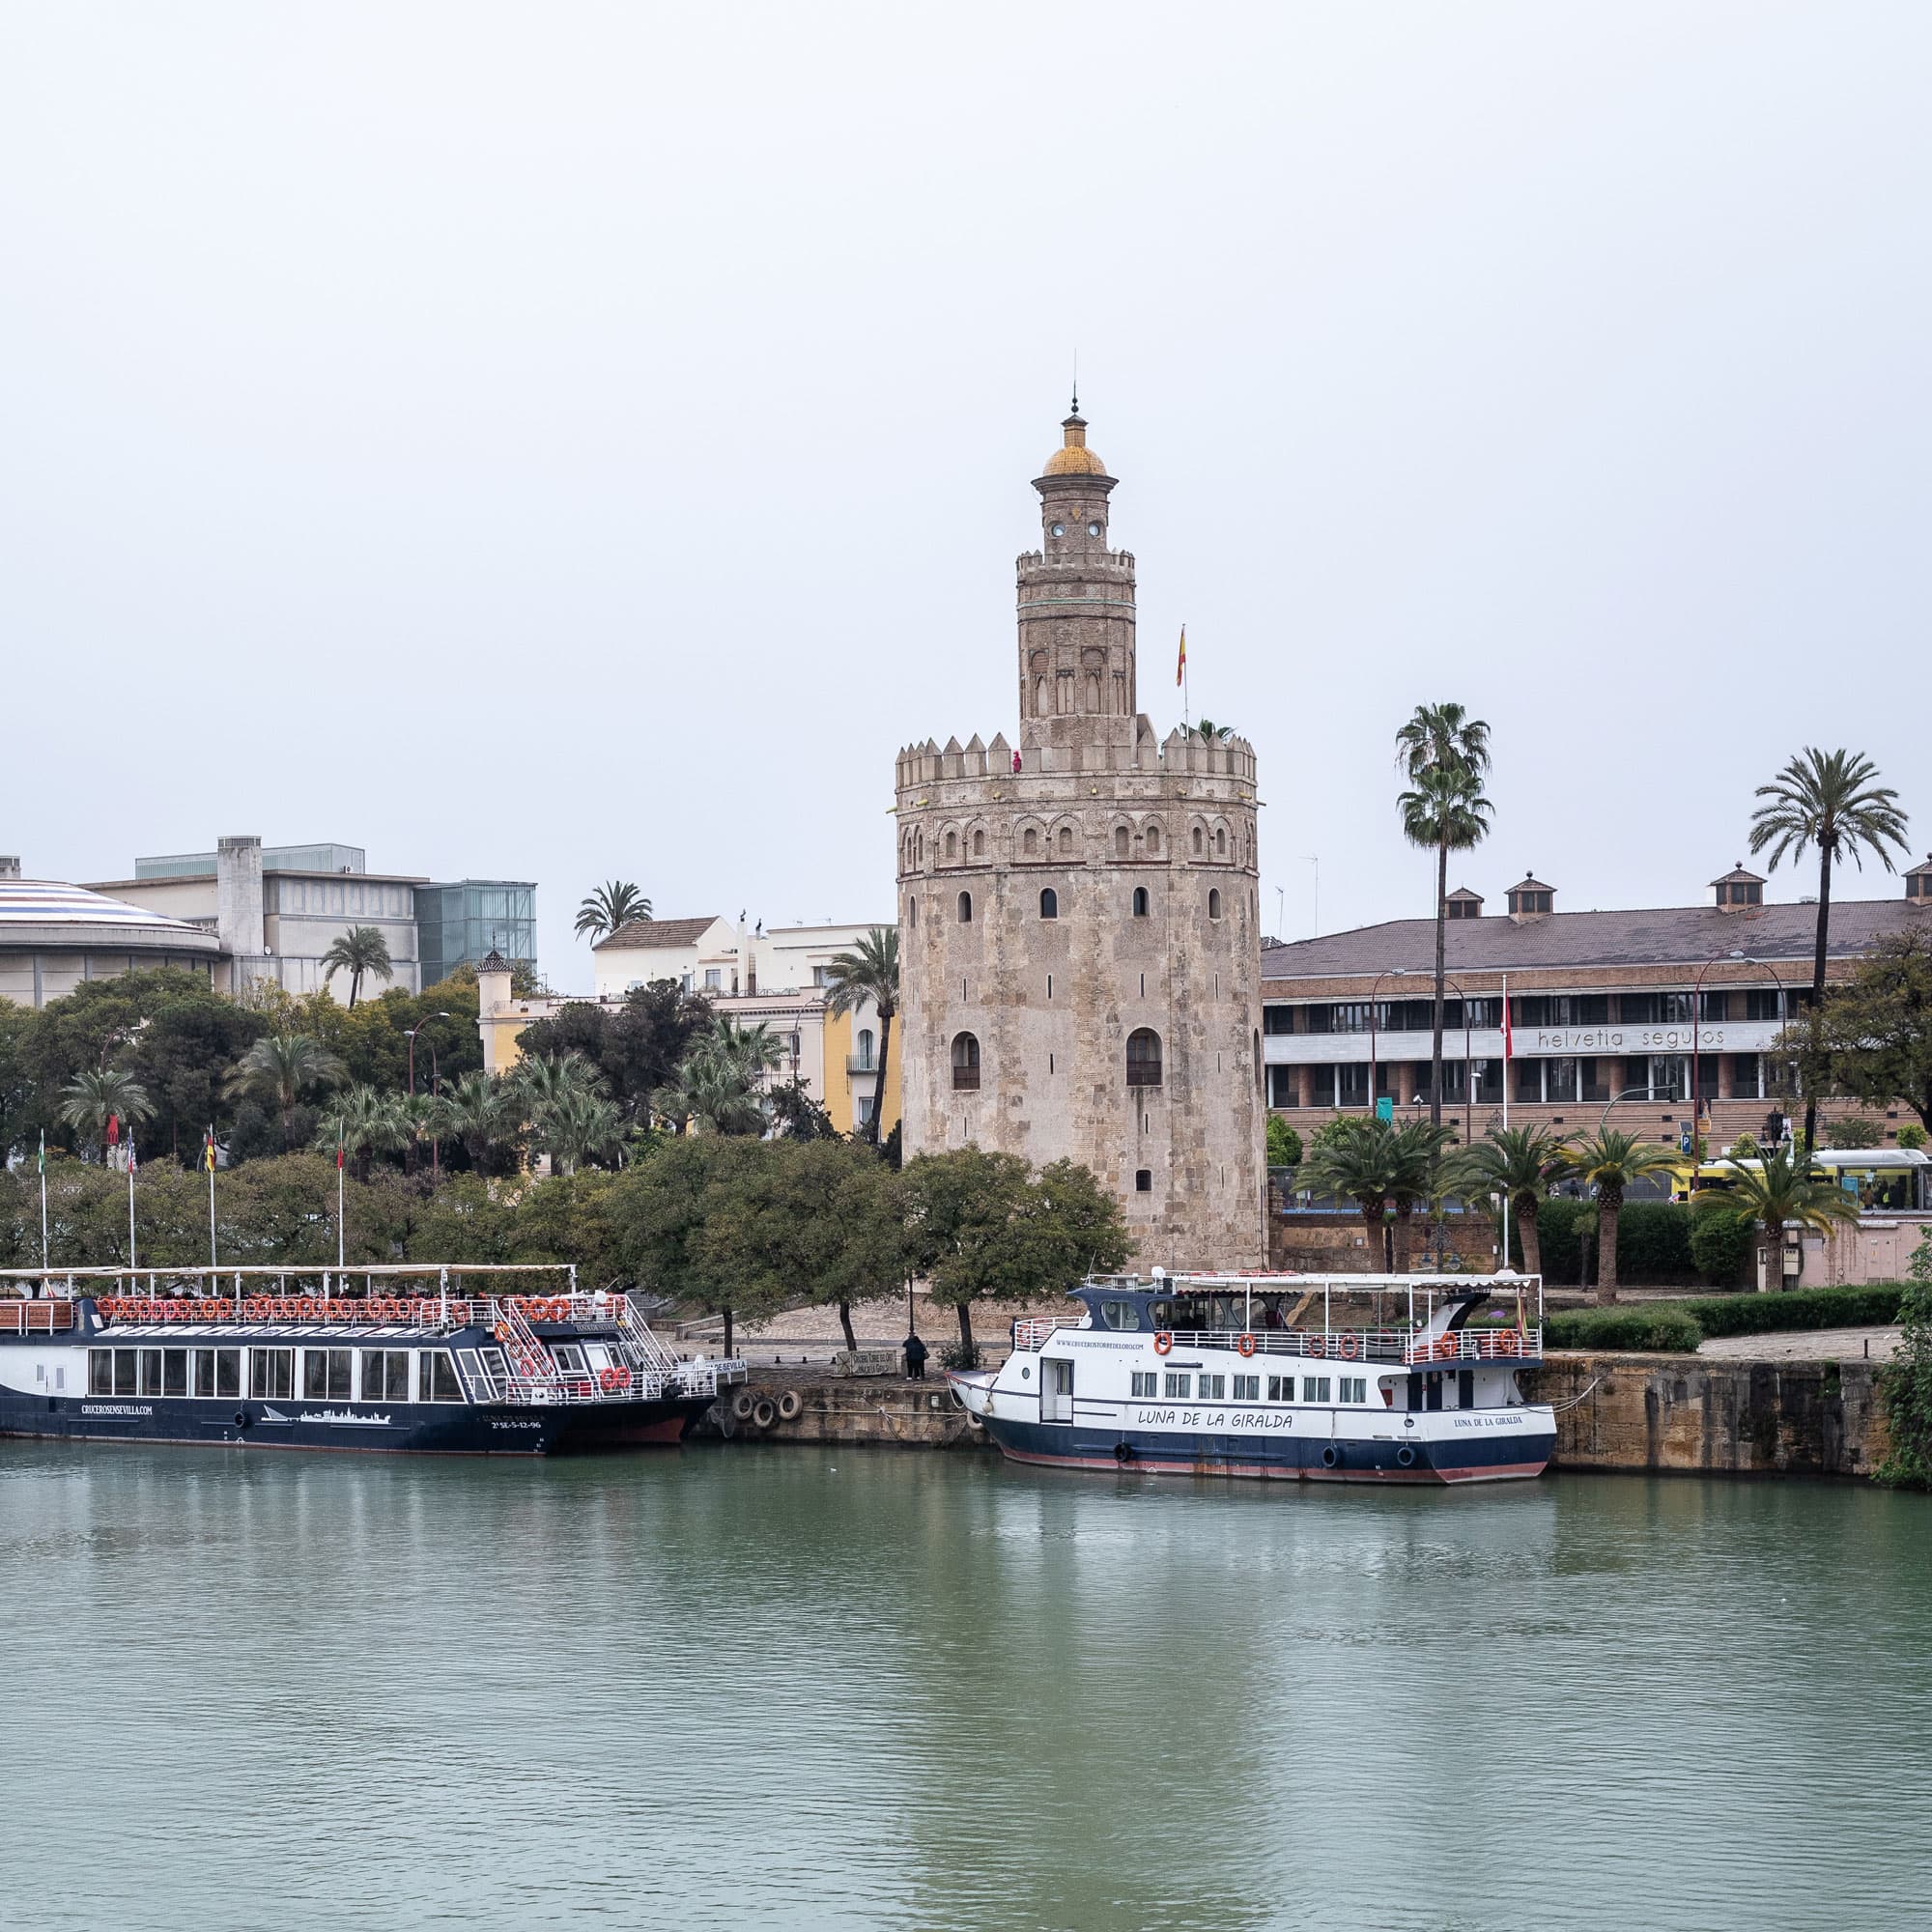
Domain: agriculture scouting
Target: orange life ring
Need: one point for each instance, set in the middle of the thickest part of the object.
(1448, 1348)
(1317, 1346)
(1351, 1345)
(1506, 1343)
(1247, 1345)
(1162, 1342)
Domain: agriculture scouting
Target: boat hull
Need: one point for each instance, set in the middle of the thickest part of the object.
(1482, 1457)
(397, 1428)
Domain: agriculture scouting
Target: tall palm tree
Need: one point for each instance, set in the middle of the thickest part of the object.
(471, 1110)
(362, 952)
(1778, 1190)
(612, 905)
(1445, 753)
(870, 971)
(543, 1079)
(1379, 1165)
(1517, 1165)
(1829, 800)
(579, 1125)
(90, 1100)
(362, 1123)
(1608, 1162)
(281, 1067)
(710, 1095)
(751, 1051)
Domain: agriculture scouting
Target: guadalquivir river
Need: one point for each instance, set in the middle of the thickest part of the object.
(781, 1687)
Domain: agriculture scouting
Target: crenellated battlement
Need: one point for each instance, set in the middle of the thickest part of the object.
(1122, 560)
(1182, 752)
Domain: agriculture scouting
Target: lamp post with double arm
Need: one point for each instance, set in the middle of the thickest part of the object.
(1390, 972)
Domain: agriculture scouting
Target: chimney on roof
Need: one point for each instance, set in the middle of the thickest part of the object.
(1918, 884)
(1529, 899)
(10, 865)
(1463, 903)
(1738, 891)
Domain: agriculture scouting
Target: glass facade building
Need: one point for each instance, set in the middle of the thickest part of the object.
(460, 924)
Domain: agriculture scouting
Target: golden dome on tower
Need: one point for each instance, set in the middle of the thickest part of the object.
(1073, 458)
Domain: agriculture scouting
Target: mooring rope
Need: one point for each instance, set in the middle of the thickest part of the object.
(1558, 1408)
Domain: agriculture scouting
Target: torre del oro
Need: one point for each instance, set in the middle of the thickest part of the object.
(1080, 946)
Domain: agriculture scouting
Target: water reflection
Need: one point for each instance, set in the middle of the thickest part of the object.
(808, 1688)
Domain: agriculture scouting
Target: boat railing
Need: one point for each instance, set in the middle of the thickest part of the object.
(35, 1318)
(1032, 1335)
(1369, 1344)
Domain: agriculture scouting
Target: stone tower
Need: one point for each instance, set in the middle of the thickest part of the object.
(1080, 951)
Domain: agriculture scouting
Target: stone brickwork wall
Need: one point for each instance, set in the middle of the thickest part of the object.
(1094, 885)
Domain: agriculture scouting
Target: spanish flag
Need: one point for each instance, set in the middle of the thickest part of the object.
(1180, 666)
(208, 1152)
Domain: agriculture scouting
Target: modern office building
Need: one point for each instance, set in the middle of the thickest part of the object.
(1612, 1013)
(275, 911)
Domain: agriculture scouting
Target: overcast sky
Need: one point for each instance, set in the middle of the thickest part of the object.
(564, 441)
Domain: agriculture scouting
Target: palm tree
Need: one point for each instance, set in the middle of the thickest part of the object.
(1609, 1161)
(1444, 752)
(1829, 800)
(710, 1094)
(360, 950)
(542, 1079)
(1378, 1164)
(281, 1067)
(90, 1100)
(1517, 1165)
(611, 905)
(1778, 1190)
(1213, 733)
(362, 1123)
(472, 1111)
(751, 1051)
(870, 971)
(579, 1125)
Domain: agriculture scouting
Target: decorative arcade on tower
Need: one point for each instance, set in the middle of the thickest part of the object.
(1080, 947)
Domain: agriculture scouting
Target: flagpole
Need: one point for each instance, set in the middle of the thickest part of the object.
(209, 1157)
(131, 1200)
(338, 1206)
(1509, 1040)
(43, 1198)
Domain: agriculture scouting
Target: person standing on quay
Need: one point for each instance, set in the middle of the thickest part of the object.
(915, 1358)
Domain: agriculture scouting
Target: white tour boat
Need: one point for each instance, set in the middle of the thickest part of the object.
(1352, 1379)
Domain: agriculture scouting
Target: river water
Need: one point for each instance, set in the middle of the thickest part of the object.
(784, 1686)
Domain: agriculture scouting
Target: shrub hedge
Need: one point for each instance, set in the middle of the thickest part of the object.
(1653, 1242)
(1680, 1325)
(1722, 1240)
(1662, 1326)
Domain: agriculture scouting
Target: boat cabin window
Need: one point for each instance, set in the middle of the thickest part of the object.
(111, 1370)
(217, 1372)
(1121, 1315)
(1213, 1389)
(1315, 1388)
(385, 1374)
(150, 1371)
(174, 1371)
(1146, 1386)
(326, 1374)
(1465, 1388)
(1247, 1388)
(1280, 1388)
(440, 1372)
(495, 1365)
(570, 1359)
(272, 1374)
(1178, 1386)
(1355, 1388)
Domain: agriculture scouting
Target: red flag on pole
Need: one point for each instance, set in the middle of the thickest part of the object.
(1509, 1038)
(114, 1130)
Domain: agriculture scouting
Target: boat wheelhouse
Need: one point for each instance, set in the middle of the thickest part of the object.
(1363, 1378)
(497, 1359)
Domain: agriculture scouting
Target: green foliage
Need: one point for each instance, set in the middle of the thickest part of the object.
(1721, 1243)
(635, 1049)
(1854, 1130)
(1653, 1242)
(1912, 1135)
(869, 971)
(1377, 1163)
(1873, 1305)
(1284, 1143)
(1905, 1386)
(1744, 1148)
(612, 905)
(363, 953)
(1659, 1328)
(1562, 1221)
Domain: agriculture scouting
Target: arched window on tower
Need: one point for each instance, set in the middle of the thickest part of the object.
(979, 844)
(965, 908)
(911, 912)
(1144, 1058)
(1153, 842)
(1092, 692)
(1197, 841)
(1140, 902)
(1220, 842)
(1067, 838)
(1213, 902)
(1049, 903)
(1119, 841)
(1030, 842)
(952, 846)
(966, 1064)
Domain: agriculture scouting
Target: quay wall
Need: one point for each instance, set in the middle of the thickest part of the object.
(1645, 1415)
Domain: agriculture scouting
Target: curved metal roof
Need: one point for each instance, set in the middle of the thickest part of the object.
(47, 907)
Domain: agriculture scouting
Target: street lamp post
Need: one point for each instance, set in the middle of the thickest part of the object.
(1783, 1014)
(409, 1034)
(1696, 1027)
(1391, 973)
(1468, 1066)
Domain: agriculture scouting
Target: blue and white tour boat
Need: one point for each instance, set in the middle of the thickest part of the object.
(1349, 1378)
(418, 1358)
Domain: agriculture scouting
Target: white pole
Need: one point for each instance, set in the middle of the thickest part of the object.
(131, 1200)
(338, 1206)
(43, 1198)
(213, 1261)
(1505, 1261)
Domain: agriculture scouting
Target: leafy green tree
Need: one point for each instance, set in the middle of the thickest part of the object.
(284, 1069)
(1873, 1034)
(1830, 801)
(984, 1227)
(611, 905)
(577, 1125)
(90, 1100)
(362, 952)
(1609, 1161)
(1519, 1165)
(1380, 1165)
(1445, 754)
(715, 1088)
(16, 1085)
(472, 1112)
(1906, 1383)
(870, 971)
(363, 1123)
(1284, 1143)
(796, 1115)
(637, 1048)
(1779, 1189)
(815, 1221)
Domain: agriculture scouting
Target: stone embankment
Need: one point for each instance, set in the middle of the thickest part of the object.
(1646, 1414)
